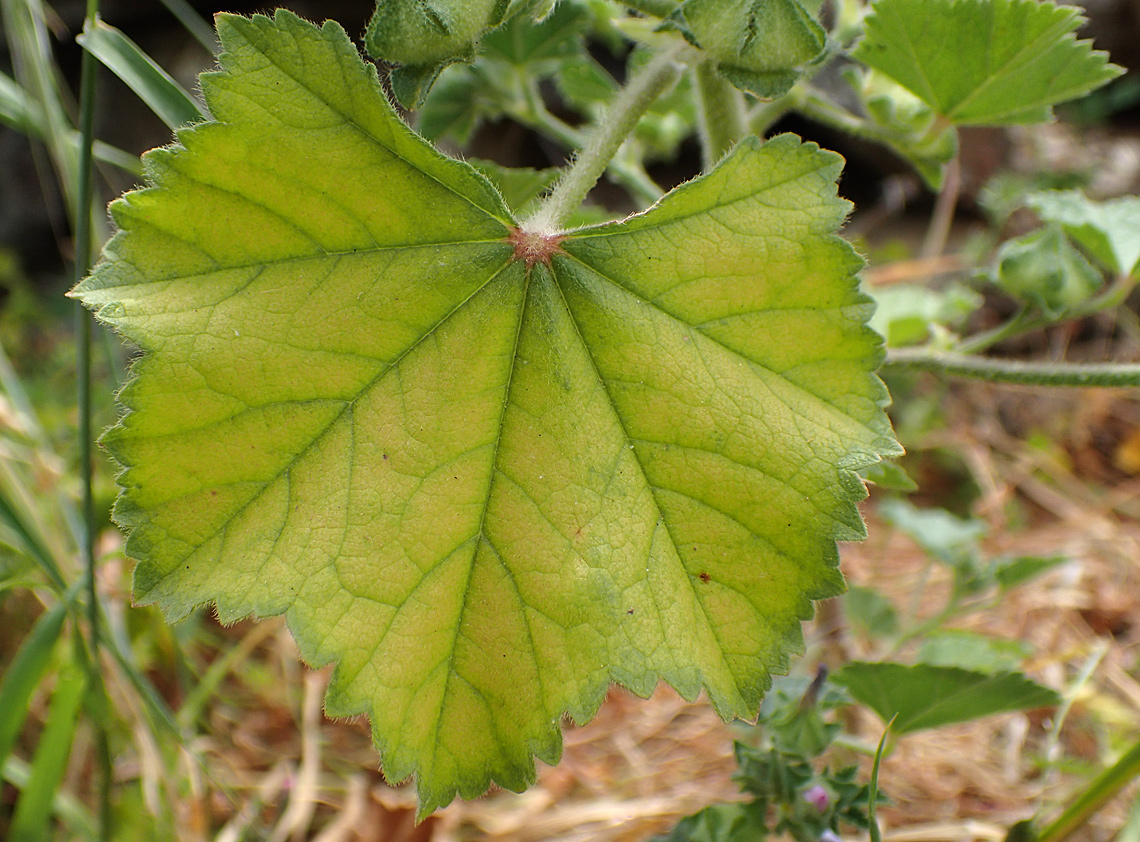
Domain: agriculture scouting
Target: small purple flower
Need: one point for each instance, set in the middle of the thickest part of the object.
(829, 836)
(817, 796)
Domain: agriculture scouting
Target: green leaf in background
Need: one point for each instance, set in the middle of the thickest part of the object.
(1011, 572)
(870, 613)
(972, 651)
(908, 124)
(1109, 231)
(925, 696)
(761, 46)
(984, 62)
(908, 314)
(942, 534)
(486, 472)
(1043, 268)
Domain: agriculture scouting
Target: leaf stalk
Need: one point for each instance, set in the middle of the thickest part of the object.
(722, 113)
(604, 141)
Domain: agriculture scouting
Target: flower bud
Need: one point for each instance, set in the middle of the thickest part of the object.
(759, 45)
(818, 797)
(430, 32)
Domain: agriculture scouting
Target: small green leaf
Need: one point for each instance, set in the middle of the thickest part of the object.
(1009, 573)
(870, 613)
(487, 472)
(729, 822)
(908, 314)
(945, 536)
(926, 696)
(984, 62)
(972, 651)
(889, 476)
(153, 85)
(1044, 269)
(1109, 231)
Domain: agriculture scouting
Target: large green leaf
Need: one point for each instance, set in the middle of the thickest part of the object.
(486, 473)
(984, 62)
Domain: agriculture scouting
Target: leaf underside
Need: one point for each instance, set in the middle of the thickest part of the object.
(485, 490)
(984, 62)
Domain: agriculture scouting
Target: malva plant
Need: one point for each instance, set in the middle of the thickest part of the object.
(484, 461)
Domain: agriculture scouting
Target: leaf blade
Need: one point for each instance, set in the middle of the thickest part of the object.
(1022, 57)
(925, 696)
(359, 407)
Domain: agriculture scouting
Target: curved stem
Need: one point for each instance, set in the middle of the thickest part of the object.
(1009, 371)
(604, 141)
(1023, 321)
(722, 113)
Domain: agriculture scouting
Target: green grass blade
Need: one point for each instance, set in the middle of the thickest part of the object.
(28, 543)
(153, 85)
(19, 112)
(16, 110)
(1107, 786)
(33, 813)
(38, 74)
(24, 674)
(75, 817)
(194, 23)
(873, 796)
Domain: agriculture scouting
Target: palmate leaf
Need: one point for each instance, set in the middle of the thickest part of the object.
(984, 62)
(485, 481)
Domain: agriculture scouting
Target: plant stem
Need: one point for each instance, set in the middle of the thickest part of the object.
(722, 113)
(1010, 371)
(1106, 786)
(1023, 321)
(605, 139)
(85, 194)
(534, 114)
(942, 219)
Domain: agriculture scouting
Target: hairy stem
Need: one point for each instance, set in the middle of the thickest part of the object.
(534, 114)
(1009, 371)
(721, 105)
(604, 141)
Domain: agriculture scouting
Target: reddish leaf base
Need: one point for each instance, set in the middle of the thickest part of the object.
(534, 247)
